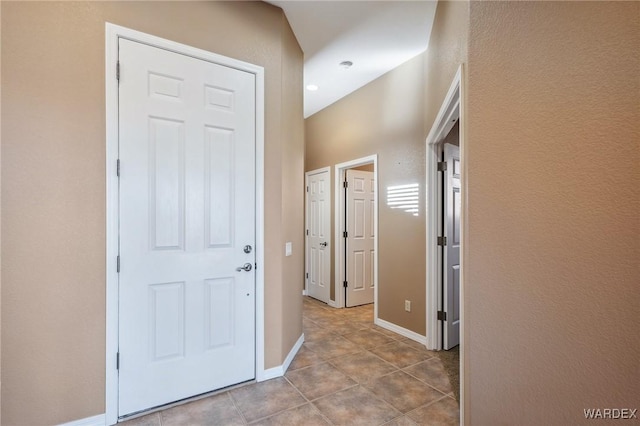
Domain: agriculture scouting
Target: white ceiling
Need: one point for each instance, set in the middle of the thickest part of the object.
(377, 36)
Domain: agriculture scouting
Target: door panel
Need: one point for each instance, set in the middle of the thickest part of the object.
(318, 243)
(360, 237)
(187, 209)
(166, 183)
(451, 276)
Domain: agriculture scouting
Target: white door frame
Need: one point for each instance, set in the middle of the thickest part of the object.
(340, 172)
(452, 110)
(306, 227)
(113, 32)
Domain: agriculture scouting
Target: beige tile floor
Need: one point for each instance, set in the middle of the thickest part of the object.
(348, 371)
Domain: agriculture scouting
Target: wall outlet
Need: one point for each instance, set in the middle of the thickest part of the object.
(407, 305)
(287, 249)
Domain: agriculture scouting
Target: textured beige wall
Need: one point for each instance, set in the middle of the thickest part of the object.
(552, 287)
(384, 118)
(53, 186)
(447, 50)
(292, 189)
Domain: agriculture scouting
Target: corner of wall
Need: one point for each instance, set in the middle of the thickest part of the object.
(292, 186)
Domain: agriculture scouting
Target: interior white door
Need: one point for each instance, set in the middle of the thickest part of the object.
(187, 207)
(360, 247)
(451, 258)
(319, 235)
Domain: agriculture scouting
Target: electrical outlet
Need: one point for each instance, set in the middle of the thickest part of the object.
(407, 305)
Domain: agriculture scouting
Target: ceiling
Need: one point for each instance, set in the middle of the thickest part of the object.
(377, 36)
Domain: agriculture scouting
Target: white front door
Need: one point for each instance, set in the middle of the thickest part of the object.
(360, 247)
(451, 258)
(187, 210)
(318, 275)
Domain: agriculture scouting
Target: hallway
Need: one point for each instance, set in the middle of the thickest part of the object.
(348, 371)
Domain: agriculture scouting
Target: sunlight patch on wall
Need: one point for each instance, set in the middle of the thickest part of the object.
(405, 197)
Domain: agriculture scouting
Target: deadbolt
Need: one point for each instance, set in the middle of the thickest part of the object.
(247, 249)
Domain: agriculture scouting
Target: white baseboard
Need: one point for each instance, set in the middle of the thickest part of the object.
(99, 420)
(332, 303)
(292, 353)
(401, 331)
(270, 373)
(304, 292)
(279, 371)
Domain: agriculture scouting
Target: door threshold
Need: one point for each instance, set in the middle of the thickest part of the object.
(184, 401)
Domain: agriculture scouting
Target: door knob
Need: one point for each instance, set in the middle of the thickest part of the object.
(324, 244)
(247, 249)
(246, 267)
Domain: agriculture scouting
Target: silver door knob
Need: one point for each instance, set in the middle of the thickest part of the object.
(323, 244)
(246, 267)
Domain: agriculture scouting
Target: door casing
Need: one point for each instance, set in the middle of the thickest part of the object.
(112, 34)
(340, 172)
(452, 109)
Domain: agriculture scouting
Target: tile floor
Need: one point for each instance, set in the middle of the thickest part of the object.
(348, 371)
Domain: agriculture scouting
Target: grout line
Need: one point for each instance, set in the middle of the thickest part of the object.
(276, 413)
(305, 368)
(235, 405)
(384, 360)
(296, 388)
(333, 393)
(309, 402)
(428, 384)
(399, 417)
(380, 399)
(426, 405)
(286, 409)
(415, 363)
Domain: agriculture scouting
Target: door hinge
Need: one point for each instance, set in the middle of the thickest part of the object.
(442, 241)
(345, 184)
(255, 266)
(118, 70)
(118, 167)
(442, 316)
(307, 232)
(118, 264)
(117, 360)
(442, 166)
(344, 284)
(307, 189)
(345, 234)
(306, 275)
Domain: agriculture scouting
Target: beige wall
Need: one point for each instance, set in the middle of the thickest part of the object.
(552, 278)
(292, 190)
(383, 118)
(53, 186)
(447, 50)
